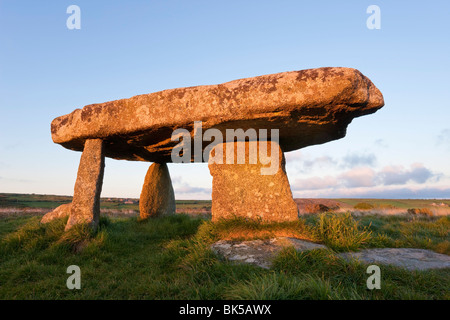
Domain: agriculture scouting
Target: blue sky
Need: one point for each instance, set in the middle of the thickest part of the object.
(125, 48)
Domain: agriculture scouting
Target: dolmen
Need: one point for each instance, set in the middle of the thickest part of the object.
(240, 128)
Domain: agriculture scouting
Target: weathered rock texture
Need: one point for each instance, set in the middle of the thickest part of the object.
(308, 107)
(85, 206)
(240, 190)
(411, 259)
(61, 212)
(260, 252)
(157, 196)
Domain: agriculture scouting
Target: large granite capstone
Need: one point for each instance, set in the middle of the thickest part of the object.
(308, 107)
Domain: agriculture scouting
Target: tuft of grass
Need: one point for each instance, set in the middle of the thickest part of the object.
(199, 257)
(341, 232)
(82, 235)
(278, 286)
(420, 211)
(422, 232)
(247, 229)
(33, 236)
(347, 279)
(363, 206)
(318, 261)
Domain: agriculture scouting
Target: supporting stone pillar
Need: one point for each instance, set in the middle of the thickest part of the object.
(255, 187)
(157, 196)
(86, 199)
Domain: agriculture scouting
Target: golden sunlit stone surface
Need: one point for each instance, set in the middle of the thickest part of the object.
(308, 107)
(85, 207)
(157, 196)
(240, 190)
(60, 212)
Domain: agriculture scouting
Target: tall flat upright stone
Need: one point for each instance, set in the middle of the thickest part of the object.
(157, 196)
(85, 206)
(257, 189)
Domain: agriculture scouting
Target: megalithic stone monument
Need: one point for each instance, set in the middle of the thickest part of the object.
(307, 107)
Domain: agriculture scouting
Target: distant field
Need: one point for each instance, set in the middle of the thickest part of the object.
(16, 200)
(397, 203)
(32, 200)
(49, 202)
(13, 203)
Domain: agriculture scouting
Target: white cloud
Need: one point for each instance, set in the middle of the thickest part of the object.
(305, 164)
(356, 160)
(320, 162)
(315, 183)
(444, 138)
(395, 175)
(358, 177)
(364, 177)
(381, 143)
(187, 189)
(184, 190)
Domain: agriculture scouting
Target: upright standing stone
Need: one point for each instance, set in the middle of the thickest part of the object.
(157, 196)
(241, 190)
(86, 199)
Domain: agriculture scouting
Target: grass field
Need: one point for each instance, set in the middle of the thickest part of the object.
(35, 201)
(13, 200)
(169, 258)
(396, 203)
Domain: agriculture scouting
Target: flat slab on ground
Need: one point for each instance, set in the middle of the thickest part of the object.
(408, 258)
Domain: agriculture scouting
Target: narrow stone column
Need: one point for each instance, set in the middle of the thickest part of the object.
(157, 196)
(86, 199)
(255, 187)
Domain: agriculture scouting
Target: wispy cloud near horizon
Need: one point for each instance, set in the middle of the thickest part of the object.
(185, 190)
(305, 163)
(358, 159)
(365, 177)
